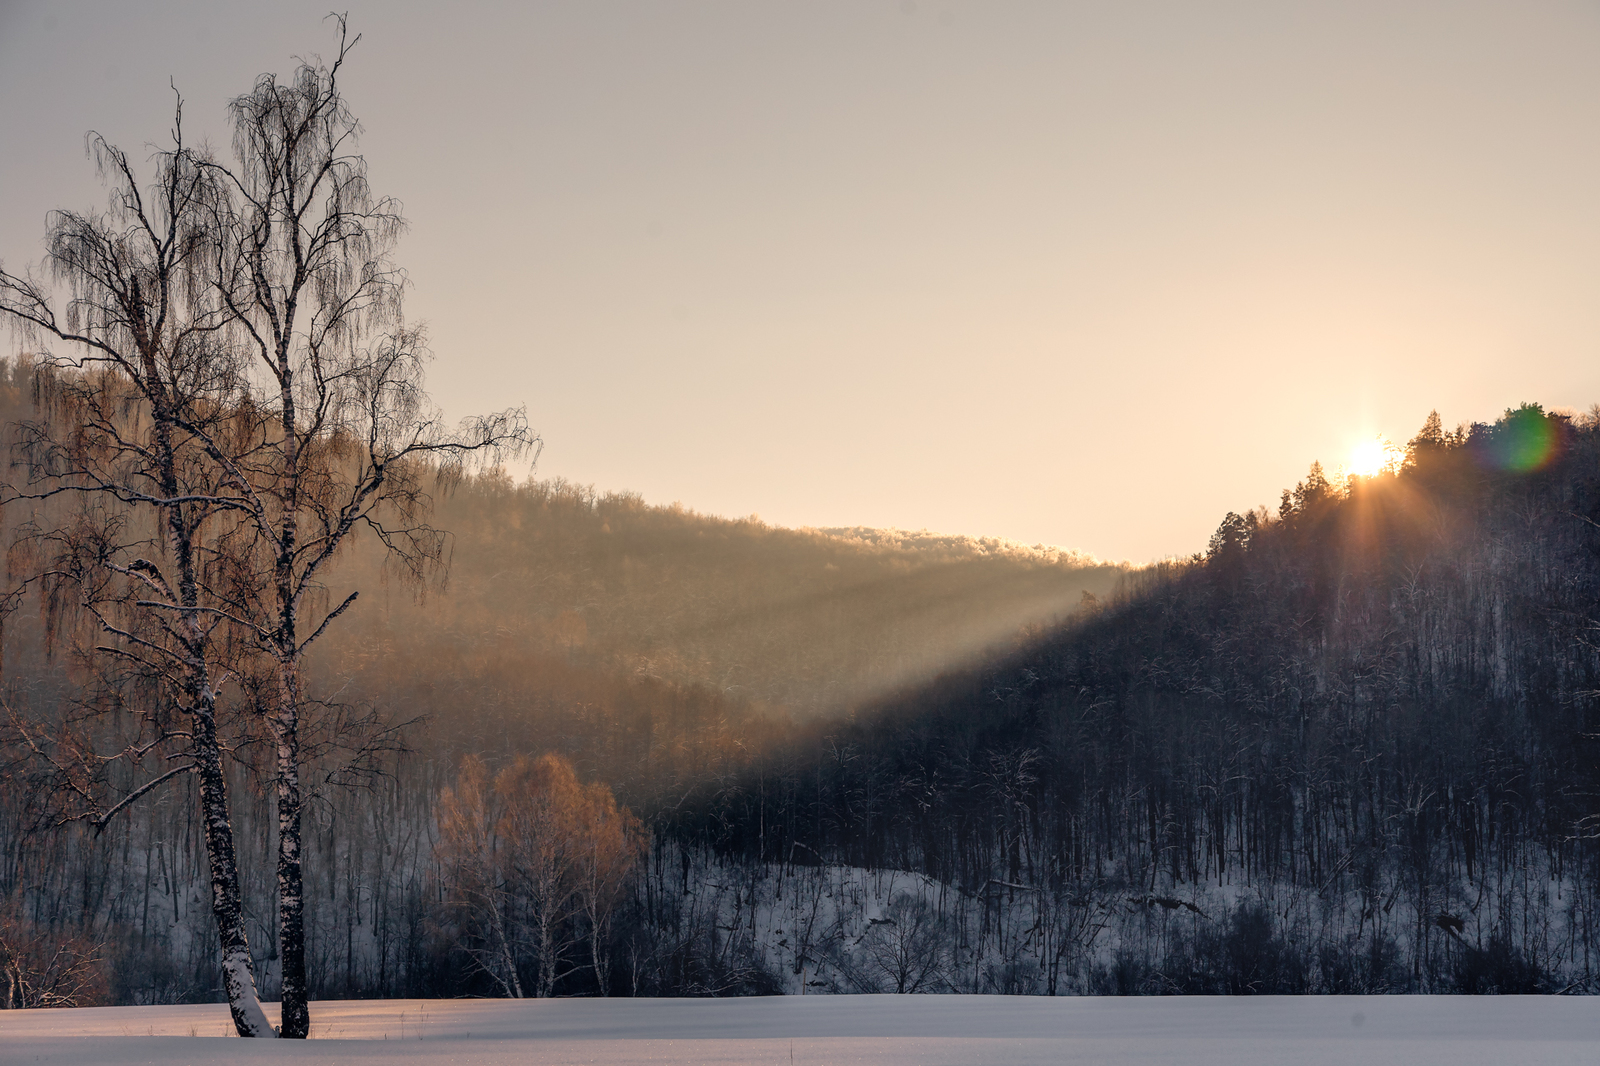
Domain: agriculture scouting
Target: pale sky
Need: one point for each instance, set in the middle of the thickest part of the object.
(1088, 274)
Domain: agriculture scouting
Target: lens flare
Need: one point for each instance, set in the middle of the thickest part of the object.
(1523, 442)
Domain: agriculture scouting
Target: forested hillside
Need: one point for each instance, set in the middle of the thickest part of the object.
(1349, 748)
(1353, 747)
(654, 646)
(801, 621)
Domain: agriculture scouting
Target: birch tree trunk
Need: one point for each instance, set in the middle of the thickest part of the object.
(238, 976)
(296, 1019)
(508, 958)
(180, 519)
(296, 1016)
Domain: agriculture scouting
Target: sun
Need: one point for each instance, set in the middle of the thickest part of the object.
(1369, 458)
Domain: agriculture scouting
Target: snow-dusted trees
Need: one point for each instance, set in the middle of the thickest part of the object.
(906, 947)
(535, 862)
(244, 384)
(344, 434)
(1375, 711)
(127, 513)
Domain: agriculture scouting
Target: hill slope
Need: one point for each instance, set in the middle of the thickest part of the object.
(811, 621)
(1361, 729)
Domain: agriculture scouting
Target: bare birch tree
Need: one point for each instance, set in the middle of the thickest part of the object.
(347, 437)
(541, 830)
(611, 842)
(252, 314)
(128, 408)
(470, 856)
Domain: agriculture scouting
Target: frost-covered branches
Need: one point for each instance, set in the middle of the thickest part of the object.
(241, 397)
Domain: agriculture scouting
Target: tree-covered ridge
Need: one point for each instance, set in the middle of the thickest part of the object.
(805, 621)
(1371, 716)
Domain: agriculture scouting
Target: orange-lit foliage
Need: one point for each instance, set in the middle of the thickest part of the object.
(538, 861)
(468, 855)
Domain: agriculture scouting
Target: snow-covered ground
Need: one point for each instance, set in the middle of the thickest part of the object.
(841, 1030)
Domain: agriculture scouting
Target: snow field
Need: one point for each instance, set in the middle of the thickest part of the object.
(841, 1031)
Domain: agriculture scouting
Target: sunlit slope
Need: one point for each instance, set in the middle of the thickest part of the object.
(807, 620)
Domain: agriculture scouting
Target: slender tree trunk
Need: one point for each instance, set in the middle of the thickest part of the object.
(296, 1020)
(599, 934)
(238, 977)
(547, 961)
(508, 958)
